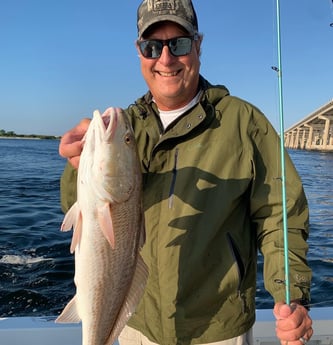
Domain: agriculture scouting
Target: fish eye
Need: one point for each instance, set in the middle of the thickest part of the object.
(128, 139)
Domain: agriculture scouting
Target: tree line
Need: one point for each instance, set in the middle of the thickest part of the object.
(12, 134)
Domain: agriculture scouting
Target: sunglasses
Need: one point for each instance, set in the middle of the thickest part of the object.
(178, 46)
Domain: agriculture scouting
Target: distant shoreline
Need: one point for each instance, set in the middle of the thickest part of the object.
(37, 137)
(14, 138)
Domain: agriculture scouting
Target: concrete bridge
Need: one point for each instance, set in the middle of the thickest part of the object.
(315, 132)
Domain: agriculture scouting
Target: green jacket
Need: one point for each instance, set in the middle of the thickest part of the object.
(212, 198)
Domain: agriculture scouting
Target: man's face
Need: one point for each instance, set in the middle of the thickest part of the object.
(172, 80)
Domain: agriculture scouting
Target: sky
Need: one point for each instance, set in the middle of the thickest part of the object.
(62, 59)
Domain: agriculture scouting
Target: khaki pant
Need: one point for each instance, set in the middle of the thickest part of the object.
(130, 336)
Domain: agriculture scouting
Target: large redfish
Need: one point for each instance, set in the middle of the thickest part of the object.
(108, 223)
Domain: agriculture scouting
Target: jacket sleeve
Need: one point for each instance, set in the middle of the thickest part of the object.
(68, 187)
(267, 215)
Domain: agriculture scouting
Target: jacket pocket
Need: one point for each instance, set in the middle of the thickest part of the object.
(173, 181)
(238, 260)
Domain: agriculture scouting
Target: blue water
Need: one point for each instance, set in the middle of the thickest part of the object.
(36, 268)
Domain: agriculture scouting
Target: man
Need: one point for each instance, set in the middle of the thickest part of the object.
(212, 198)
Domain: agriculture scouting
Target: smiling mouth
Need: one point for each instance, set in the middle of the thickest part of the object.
(168, 74)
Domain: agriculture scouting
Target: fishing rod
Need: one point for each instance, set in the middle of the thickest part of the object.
(278, 69)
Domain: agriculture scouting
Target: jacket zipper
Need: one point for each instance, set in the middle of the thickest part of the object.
(173, 181)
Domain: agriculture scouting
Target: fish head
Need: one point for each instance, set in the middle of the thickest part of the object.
(116, 168)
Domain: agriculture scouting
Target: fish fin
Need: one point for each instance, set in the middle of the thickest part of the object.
(69, 314)
(105, 222)
(76, 234)
(70, 218)
(138, 284)
(132, 299)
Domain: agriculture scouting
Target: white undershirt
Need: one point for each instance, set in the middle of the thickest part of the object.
(169, 116)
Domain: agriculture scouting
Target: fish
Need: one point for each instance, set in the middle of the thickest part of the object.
(109, 230)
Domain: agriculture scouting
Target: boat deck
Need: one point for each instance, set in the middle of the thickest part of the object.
(43, 330)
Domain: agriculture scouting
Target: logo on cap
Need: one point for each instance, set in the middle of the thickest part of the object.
(161, 5)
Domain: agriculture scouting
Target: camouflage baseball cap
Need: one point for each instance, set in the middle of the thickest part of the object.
(178, 11)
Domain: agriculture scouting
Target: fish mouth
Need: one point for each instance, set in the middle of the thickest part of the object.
(109, 122)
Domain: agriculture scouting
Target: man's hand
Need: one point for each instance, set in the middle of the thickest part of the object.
(293, 324)
(71, 143)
